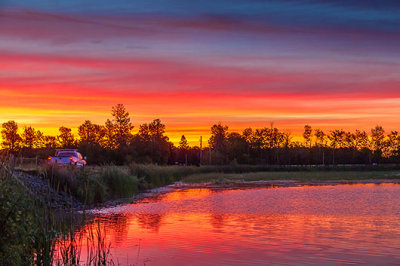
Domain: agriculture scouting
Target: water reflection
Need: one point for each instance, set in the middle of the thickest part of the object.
(151, 221)
(313, 225)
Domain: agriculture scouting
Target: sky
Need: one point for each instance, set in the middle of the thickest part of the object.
(330, 64)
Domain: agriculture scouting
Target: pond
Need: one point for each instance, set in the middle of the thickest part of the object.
(343, 224)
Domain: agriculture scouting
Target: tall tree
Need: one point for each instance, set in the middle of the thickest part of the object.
(218, 136)
(183, 148)
(91, 133)
(40, 139)
(320, 137)
(152, 141)
(307, 134)
(377, 138)
(361, 139)
(109, 133)
(10, 136)
(237, 147)
(337, 138)
(66, 138)
(350, 140)
(391, 145)
(377, 141)
(122, 125)
(50, 142)
(29, 137)
(157, 129)
(183, 143)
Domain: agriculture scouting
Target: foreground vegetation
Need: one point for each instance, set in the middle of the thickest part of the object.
(34, 233)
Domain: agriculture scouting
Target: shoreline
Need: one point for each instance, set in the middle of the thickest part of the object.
(281, 183)
(60, 200)
(157, 192)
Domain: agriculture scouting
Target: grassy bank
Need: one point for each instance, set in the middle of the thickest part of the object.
(98, 184)
(91, 185)
(156, 176)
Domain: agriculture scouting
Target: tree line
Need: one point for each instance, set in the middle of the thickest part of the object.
(114, 142)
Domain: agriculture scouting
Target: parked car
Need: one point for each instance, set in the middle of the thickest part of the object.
(67, 156)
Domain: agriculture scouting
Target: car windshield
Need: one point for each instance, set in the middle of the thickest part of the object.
(66, 154)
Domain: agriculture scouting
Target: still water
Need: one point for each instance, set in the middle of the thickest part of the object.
(343, 224)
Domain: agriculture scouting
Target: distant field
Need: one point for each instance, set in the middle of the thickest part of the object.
(298, 175)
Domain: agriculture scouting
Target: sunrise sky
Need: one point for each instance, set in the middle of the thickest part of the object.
(331, 64)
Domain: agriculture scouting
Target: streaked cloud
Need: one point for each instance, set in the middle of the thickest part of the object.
(245, 63)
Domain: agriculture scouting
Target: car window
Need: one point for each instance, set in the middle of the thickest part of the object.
(66, 154)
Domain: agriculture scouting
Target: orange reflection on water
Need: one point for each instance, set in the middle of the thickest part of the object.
(289, 225)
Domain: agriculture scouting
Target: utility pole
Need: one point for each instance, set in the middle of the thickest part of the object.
(201, 150)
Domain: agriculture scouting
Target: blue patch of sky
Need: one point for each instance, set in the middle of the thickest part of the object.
(376, 14)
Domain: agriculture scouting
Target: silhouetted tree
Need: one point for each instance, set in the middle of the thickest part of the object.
(29, 137)
(50, 142)
(183, 149)
(66, 138)
(391, 145)
(361, 140)
(10, 136)
(336, 138)
(114, 142)
(183, 143)
(320, 138)
(307, 134)
(217, 141)
(121, 125)
(377, 141)
(91, 133)
(40, 140)
(151, 142)
(237, 148)
(109, 133)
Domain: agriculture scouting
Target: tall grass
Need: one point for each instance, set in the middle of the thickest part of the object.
(92, 239)
(118, 183)
(91, 185)
(151, 176)
(28, 230)
(32, 233)
(17, 223)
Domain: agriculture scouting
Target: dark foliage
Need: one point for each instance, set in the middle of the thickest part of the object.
(115, 143)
